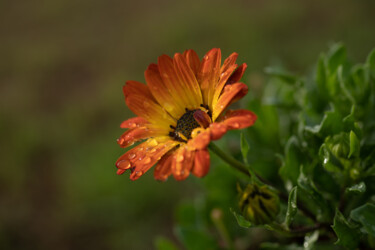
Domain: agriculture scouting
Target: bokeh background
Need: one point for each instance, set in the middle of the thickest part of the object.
(62, 67)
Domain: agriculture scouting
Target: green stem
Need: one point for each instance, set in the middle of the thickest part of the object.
(229, 159)
(246, 170)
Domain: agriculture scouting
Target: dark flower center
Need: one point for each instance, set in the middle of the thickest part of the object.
(185, 125)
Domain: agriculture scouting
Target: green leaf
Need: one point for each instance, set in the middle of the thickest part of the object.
(358, 188)
(282, 75)
(244, 148)
(195, 239)
(366, 216)
(347, 236)
(336, 57)
(307, 185)
(241, 220)
(321, 76)
(354, 145)
(162, 243)
(292, 206)
(291, 165)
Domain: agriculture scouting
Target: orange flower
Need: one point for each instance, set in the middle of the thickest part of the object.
(179, 112)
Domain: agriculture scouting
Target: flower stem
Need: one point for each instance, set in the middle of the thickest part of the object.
(229, 159)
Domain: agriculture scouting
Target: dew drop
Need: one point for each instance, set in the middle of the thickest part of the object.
(141, 157)
(147, 160)
(180, 158)
(123, 164)
(131, 156)
(236, 125)
(153, 150)
(138, 173)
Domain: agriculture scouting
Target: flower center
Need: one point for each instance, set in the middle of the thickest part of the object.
(185, 125)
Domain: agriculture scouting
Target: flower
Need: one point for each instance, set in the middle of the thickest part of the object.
(259, 205)
(179, 112)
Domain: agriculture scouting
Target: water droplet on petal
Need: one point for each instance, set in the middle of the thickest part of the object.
(123, 164)
(236, 125)
(138, 173)
(147, 160)
(131, 156)
(153, 150)
(180, 158)
(141, 157)
(153, 142)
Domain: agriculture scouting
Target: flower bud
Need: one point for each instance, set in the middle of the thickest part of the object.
(259, 205)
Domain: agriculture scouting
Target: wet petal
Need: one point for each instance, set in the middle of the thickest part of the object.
(217, 130)
(201, 163)
(172, 82)
(200, 139)
(135, 134)
(237, 74)
(192, 60)
(182, 163)
(238, 119)
(161, 93)
(134, 122)
(146, 159)
(231, 93)
(163, 168)
(208, 74)
(188, 80)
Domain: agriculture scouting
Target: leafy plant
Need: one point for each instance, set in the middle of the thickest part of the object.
(314, 147)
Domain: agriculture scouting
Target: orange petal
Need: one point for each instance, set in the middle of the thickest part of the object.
(134, 122)
(192, 60)
(135, 134)
(222, 82)
(150, 110)
(182, 163)
(208, 74)
(188, 80)
(146, 159)
(199, 140)
(202, 118)
(217, 130)
(161, 92)
(201, 163)
(173, 82)
(230, 61)
(231, 93)
(136, 88)
(163, 168)
(238, 119)
(237, 74)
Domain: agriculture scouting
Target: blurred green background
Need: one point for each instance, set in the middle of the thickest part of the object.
(62, 68)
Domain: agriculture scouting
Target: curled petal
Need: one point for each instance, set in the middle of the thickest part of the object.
(231, 93)
(134, 122)
(200, 139)
(202, 118)
(238, 119)
(182, 163)
(237, 74)
(163, 168)
(217, 130)
(230, 61)
(201, 163)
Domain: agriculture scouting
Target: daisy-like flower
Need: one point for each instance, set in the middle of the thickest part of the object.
(179, 112)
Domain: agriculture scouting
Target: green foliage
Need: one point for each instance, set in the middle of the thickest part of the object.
(292, 207)
(314, 134)
(347, 235)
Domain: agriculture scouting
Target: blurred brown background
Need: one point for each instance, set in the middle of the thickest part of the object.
(62, 67)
